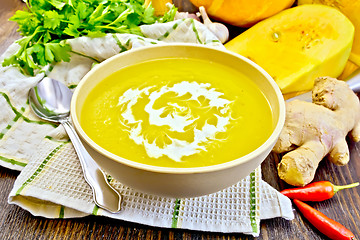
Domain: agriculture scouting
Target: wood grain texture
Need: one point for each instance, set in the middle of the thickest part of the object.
(16, 223)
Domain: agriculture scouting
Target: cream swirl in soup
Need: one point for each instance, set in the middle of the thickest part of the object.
(188, 116)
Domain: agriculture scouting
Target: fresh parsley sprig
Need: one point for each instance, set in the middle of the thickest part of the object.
(46, 24)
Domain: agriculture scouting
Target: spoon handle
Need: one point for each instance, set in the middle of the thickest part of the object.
(105, 196)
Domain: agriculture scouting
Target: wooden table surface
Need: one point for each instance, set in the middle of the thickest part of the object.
(16, 223)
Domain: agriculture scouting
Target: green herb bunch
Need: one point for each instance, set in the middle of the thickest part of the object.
(45, 24)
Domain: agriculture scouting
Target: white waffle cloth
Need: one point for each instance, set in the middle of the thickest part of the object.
(51, 183)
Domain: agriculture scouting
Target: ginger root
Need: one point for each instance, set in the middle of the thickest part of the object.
(315, 130)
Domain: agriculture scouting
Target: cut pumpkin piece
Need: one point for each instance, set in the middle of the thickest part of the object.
(298, 45)
(351, 9)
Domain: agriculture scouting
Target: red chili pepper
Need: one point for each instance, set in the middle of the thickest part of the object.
(317, 191)
(327, 226)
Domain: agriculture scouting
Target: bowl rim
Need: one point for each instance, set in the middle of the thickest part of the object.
(176, 170)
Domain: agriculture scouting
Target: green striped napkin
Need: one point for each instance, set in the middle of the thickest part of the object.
(51, 183)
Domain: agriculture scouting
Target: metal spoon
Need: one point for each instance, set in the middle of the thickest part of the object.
(50, 100)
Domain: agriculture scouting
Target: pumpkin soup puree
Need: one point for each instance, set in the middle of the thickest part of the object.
(177, 112)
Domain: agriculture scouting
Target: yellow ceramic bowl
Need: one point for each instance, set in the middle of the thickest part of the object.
(179, 182)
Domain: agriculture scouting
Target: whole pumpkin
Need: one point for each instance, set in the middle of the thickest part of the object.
(242, 13)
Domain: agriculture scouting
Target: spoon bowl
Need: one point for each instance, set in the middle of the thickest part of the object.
(50, 100)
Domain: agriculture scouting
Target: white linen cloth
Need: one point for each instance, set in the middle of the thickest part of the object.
(51, 183)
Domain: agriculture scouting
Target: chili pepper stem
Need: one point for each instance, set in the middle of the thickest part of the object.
(338, 188)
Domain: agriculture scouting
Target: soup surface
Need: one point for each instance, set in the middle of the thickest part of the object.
(177, 112)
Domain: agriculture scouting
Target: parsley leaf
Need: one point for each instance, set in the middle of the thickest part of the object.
(52, 19)
(57, 4)
(60, 51)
